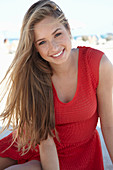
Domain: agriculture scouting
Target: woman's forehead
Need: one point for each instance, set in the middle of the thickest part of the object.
(47, 25)
(47, 22)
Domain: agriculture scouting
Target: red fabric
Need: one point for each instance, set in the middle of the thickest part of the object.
(79, 147)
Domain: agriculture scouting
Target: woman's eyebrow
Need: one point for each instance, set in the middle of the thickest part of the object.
(39, 40)
(52, 34)
(56, 30)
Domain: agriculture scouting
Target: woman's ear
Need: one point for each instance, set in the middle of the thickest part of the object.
(69, 31)
(70, 36)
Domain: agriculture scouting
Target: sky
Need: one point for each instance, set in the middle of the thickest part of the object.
(86, 17)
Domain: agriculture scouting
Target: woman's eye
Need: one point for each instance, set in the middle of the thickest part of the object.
(42, 42)
(58, 34)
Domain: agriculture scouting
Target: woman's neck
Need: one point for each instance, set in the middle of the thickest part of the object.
(67, 67)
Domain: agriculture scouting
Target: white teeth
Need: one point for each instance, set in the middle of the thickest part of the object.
(56, 55)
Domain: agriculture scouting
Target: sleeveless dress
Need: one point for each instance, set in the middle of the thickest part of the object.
(79, 147)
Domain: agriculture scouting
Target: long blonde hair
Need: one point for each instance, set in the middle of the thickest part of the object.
(29, 106)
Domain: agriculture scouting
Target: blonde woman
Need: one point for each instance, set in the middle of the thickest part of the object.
(56, 95)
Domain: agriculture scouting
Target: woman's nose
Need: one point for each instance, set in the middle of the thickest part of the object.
(53, 45)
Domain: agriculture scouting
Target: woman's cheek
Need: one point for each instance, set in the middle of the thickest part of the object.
(43, 51)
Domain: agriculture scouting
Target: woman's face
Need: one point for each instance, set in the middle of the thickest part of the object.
(52, 40)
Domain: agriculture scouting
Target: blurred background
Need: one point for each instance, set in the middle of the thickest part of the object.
(91, 23)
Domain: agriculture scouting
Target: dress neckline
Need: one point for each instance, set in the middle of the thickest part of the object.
(55, 92)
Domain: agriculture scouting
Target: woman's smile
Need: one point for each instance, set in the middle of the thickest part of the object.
(58, 55)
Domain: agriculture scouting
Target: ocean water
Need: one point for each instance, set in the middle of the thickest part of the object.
(12, 39)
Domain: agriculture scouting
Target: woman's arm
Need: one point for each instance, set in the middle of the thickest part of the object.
(48, 155)
(105, 102)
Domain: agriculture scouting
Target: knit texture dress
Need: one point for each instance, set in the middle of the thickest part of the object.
(79, 147)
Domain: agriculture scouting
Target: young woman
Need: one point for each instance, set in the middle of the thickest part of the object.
(55, 97)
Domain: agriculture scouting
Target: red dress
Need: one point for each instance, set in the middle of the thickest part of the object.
(79, 147)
